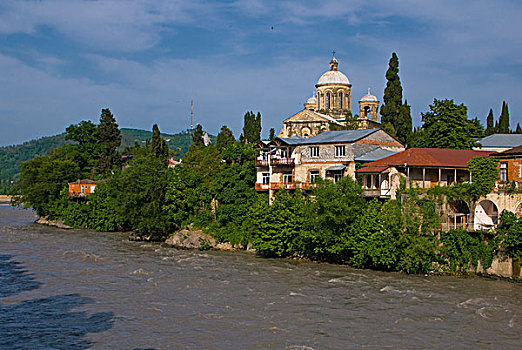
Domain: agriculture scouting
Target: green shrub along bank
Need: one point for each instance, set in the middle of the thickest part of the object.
(214, 191)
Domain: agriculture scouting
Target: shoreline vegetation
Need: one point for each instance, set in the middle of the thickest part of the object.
(213, 198)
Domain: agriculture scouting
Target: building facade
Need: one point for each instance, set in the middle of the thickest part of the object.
(296, 162)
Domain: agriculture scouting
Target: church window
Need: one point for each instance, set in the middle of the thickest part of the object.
(340, 100)
(340, 151)
(319, 96)
(327, 102)
(314, 151)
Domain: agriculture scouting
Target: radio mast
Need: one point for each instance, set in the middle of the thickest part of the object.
(191, 117)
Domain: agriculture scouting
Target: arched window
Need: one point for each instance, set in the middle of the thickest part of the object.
(367, 112)
(319, 101)
(340, 100)
(327, 103)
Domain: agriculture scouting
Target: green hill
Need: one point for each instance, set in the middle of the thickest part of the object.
(12, 156)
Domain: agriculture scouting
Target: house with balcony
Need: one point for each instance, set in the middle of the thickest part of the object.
(420, 167)
(295, 162)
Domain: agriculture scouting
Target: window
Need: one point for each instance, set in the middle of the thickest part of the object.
(314, 151)
(314, 174)
(319, 100)
(367, 112)
(338, 176)
(284, 152)
(265, 155)
(266, 178)
(340, 100)
(287, 178)
(503, 172)
(340, 151)
(327, 102)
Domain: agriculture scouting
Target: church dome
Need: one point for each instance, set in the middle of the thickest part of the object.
(311, 101)
(333, 76)
(369, 97)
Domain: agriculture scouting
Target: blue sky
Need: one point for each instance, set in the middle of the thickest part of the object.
(62, 61)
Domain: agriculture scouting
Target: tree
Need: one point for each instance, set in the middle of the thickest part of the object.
(446, 126)
(393, 111)
(225, 138)
(404, 123)
(251, 128)
(519, 129)
(271, 136)
(109, 138)
(158, 145)
(490, 123)
(197, 138)
(503, 120)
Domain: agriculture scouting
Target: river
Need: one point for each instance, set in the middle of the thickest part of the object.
(79, 289)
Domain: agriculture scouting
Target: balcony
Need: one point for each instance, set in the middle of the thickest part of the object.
(275, 161)
(285, 185)
(377, 192)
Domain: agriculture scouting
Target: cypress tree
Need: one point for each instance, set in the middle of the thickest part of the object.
(109, 138)
(271, 135)
(159, 147)
(197, 138)
(392, 112)
(503, 120)
(519, 129)
(490, 120)
(404, 123)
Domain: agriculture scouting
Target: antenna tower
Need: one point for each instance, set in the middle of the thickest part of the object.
(191, 117)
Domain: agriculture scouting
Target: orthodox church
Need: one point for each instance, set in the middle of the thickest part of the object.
(330, 105)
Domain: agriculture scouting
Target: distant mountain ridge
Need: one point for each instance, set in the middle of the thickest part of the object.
(12, 156)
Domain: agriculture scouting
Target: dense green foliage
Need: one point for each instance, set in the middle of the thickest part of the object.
(395, 116)
(510, 234)
(484, 174)
(225, 138)
(446, 125)
(463, 251)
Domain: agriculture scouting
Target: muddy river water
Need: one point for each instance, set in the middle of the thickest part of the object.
(78, 289)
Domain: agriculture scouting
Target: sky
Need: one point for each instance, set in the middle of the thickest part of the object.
(62, 61)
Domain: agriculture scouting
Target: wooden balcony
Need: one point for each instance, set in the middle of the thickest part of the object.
(286, 185)
(275, 161)
(262, 187)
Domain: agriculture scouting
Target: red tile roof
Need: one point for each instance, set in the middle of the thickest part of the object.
(372, 169)
(511, 151)
(431, 157)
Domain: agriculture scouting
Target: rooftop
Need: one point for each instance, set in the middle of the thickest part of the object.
(501, 140)
(340, 136)
(373, 155)
(435, 157)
